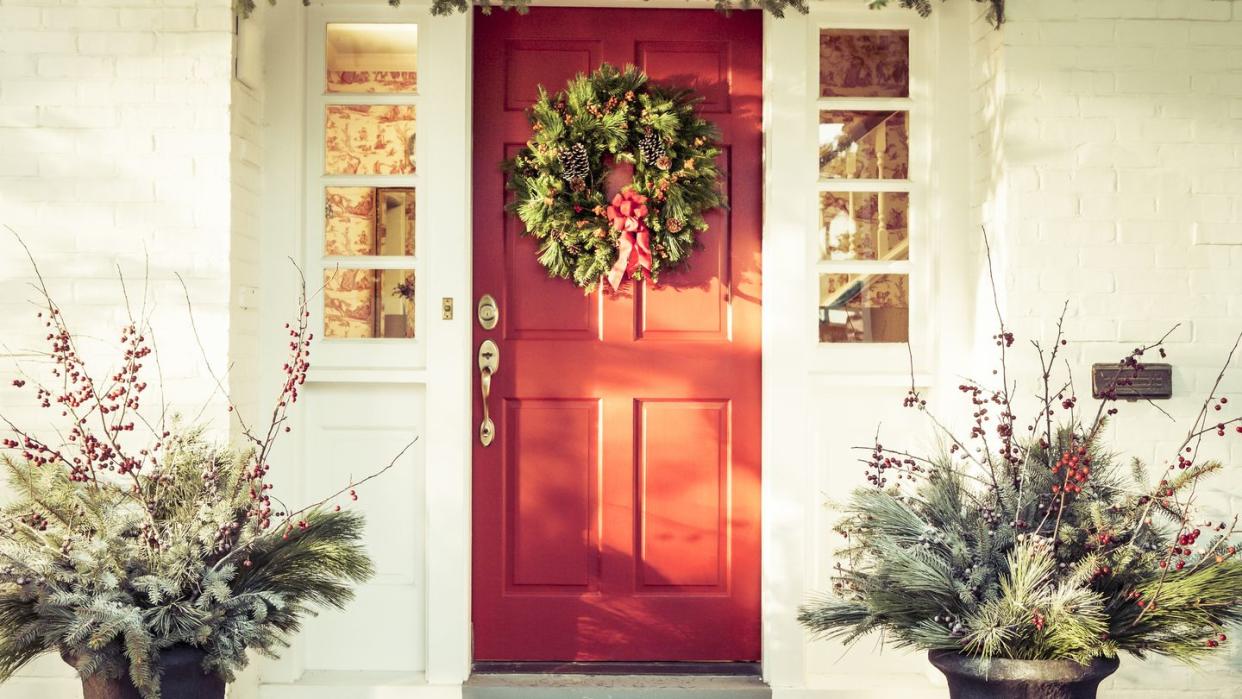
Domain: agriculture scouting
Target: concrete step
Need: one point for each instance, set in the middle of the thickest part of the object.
(558, 686)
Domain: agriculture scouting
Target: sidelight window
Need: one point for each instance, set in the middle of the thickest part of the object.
(367, 104)
(865, 186)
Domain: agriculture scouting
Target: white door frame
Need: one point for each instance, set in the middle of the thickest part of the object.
(790, 354)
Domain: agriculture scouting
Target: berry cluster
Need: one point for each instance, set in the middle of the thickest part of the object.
(1077, 467)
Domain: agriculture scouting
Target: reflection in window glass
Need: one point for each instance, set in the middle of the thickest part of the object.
(864, 226)
(369, 221)
(864, 63)
(395, 222)
(864, 307)
(864, 145)
(368, 303)
(372, 58)
(369, 140)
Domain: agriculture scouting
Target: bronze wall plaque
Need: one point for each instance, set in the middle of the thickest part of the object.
(1127, 383)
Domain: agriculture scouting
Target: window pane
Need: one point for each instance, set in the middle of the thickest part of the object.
(372, 57)
(864, 63)
(864, 226)
(368, 221)
(864, 307)
(369, 140)
(368, 303)
(395, 222)
(864, 145)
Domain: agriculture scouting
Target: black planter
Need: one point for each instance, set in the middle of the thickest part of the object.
(996, 678)
(183, 678)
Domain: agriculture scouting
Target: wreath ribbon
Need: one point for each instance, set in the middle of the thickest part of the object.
(628, 215)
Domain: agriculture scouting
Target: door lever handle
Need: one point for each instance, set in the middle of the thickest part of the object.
(489, 364)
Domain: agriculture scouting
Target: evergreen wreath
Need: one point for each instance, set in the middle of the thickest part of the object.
(615, 116)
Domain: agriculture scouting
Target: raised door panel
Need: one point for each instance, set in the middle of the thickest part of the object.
(551, 63)
(682, 495)
(703, 66)
(551, 477)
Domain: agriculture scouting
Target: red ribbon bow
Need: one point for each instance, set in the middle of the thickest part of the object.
(628, 215)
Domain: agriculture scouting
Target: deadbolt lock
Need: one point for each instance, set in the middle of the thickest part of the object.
(488, 312)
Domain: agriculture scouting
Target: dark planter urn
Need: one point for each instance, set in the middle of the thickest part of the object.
(183, 678)
(997, 678)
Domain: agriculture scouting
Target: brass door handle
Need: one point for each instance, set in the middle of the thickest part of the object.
(489, 364)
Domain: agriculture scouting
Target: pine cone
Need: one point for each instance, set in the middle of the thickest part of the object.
(575, 165)
(651, 146)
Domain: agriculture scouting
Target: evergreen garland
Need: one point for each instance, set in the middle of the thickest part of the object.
(558, 178)
(777, 8)
(996, 10)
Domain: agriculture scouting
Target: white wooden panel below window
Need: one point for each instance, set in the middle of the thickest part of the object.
(353, 430)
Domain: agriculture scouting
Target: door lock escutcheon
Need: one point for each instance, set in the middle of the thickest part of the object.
(489, 364)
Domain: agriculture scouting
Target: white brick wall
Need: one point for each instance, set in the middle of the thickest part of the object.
(1114, 183)
(117, 147)
(1107, 164)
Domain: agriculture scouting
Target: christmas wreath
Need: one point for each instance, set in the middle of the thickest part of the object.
(615, 119)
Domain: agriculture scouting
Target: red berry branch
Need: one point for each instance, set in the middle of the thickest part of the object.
(101, 447)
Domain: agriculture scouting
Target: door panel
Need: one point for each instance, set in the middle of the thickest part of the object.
(683, 536)
(616, 515)
(552, 470)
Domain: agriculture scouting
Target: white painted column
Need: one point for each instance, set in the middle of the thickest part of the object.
(445, 139)
(786, 458)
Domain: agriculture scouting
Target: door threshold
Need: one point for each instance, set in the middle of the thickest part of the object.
(563, 685)
(716, 669)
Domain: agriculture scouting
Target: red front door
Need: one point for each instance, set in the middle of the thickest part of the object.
(616, 515)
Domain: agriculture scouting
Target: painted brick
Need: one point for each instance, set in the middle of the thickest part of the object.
(1152, 33)
(17, 17)
(27, 42)
(90, 19)
(116, 43)
(1112, 9)
(163, 19)
(1215, 34)
(1151, 329)
(1153, 82)
(1195, 9)
(76, 66)
(1116, 106)
(1218, 233)
(1079, 33)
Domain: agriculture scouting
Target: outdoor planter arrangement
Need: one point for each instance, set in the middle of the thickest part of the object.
(1027, 554)
(151, 558)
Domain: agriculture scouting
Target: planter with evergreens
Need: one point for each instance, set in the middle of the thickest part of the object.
(1026, 555)
(150, 557)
